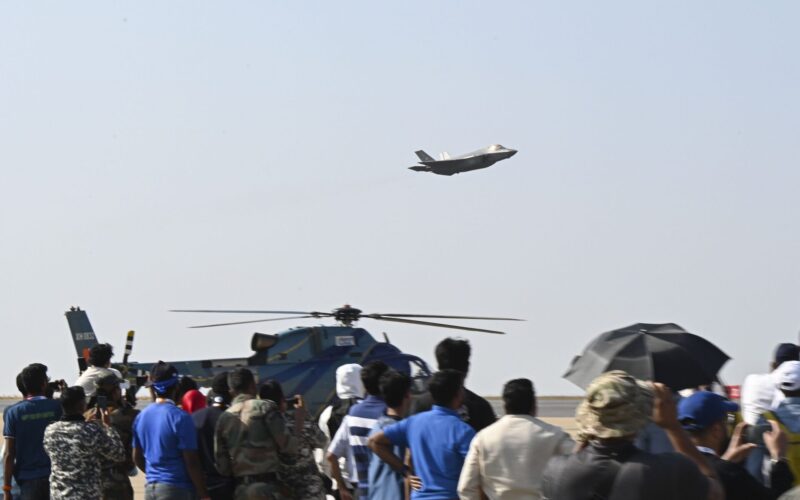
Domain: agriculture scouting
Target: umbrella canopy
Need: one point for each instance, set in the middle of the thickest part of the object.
(663, 353)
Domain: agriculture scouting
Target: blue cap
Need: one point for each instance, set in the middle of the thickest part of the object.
(702, 409)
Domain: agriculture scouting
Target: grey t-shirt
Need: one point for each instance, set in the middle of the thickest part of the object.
(623, 472)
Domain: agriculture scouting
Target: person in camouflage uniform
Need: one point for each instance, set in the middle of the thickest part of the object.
(248, 438)
(299, 475)
(115, 478)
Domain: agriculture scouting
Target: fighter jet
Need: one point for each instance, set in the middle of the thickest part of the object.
(447, 165)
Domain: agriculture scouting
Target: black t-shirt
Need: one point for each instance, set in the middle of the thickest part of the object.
(477, 412)
(623, 472)
(740, 485)
(205, 421)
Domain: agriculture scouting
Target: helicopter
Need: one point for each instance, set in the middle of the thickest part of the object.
(303, 359)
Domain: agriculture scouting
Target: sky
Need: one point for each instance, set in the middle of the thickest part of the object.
(254, 155)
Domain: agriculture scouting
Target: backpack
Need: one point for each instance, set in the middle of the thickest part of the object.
(340, 409)
(792, 450)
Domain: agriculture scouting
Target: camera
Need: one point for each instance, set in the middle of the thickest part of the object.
(102, 402)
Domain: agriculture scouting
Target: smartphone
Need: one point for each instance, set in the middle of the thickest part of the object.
(292, 402)
(102, 402)
(755, 433)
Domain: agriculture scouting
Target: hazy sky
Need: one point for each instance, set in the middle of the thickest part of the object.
(254, 155)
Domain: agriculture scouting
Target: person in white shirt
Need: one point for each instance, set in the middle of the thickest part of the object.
(507, 459)
(99, 366)
(758, 390)
(350, 390)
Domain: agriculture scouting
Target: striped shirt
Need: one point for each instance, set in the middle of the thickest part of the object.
(351, 438)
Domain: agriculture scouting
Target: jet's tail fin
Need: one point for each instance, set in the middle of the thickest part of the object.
(423, 156)
(82, 335)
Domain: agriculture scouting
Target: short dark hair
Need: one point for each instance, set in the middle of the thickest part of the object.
(34, 379)
(271, 390)
(21, 385)
(240, 379)
(371, 376)
(72, 400)
(453, 354)
(219, 386)
(394, 387)
(185, 384)
(444, 386)
(100, 354)
(519, 396)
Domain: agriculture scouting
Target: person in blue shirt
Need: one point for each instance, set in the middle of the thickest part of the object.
(165, 443)
(13, 486)
(351, 438)
(384, 482)
(25, 423)
(439, 440)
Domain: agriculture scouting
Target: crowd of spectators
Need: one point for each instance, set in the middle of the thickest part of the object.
(240, 440)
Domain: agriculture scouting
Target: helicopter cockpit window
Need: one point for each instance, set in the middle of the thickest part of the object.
(419, 376)
(263, 341)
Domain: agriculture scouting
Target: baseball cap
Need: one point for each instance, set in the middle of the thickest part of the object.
(702, 409)
(787, 376)
(786, 352)
(163, 376)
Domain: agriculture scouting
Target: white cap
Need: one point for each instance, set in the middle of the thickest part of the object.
(787, 376)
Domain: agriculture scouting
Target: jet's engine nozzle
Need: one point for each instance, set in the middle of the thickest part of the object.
(262, 341)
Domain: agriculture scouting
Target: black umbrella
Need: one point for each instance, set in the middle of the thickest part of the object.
(662, 353)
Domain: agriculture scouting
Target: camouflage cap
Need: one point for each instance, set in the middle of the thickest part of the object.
(616, 405)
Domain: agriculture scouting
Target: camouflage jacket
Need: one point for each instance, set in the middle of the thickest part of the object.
(78, 451)
(122, 421)
(310, 439)
(249, 436)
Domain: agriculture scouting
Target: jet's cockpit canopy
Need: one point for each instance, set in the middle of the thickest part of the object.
(263, 341)
(495, 147)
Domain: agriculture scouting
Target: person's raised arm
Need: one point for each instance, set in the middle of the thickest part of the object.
(665, 415)
(109, 444)
(276, 425)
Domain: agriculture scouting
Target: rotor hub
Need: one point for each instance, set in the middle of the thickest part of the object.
(347, 315)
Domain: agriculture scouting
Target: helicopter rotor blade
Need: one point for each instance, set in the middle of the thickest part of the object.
(445, 317)
(428, 323)
(251, 321)
(237, 311)
(128, 347)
